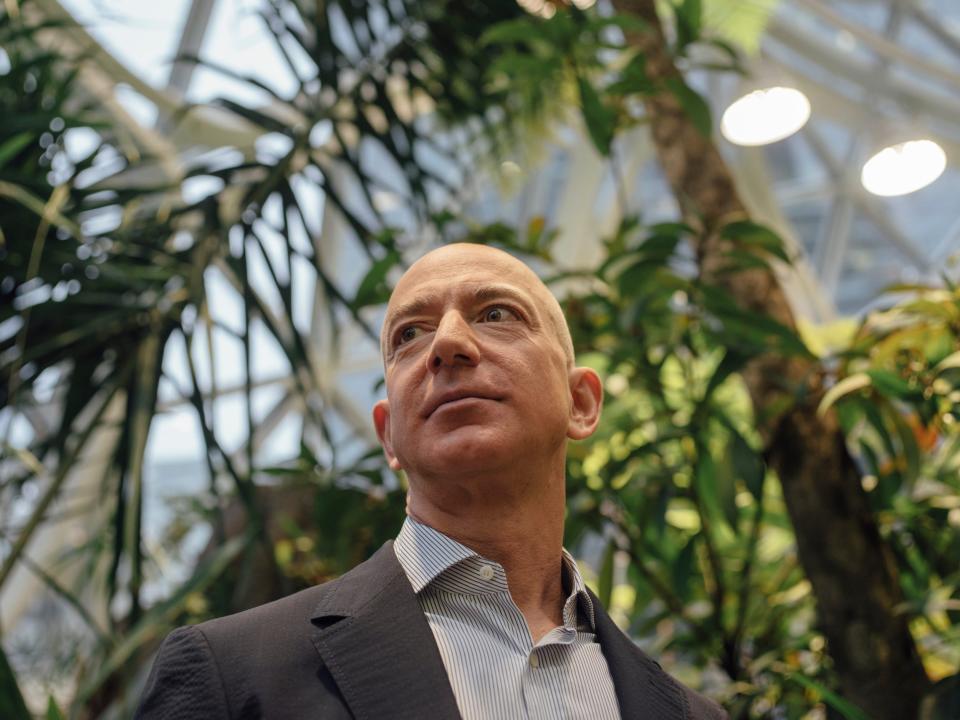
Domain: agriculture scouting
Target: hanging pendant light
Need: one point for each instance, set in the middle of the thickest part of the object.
(765, 115)
(903, 167)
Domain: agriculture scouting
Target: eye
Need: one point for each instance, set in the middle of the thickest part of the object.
(498, 313)
(407, 334)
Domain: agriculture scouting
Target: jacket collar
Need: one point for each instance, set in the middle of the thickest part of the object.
(377, 645)
(643, 688)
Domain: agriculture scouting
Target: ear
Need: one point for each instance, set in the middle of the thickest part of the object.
(381, 421)
(586, 392)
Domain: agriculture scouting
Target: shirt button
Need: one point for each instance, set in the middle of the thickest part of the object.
(486, 572)
(534, 661)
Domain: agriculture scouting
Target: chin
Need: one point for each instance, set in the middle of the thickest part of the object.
(470, 450)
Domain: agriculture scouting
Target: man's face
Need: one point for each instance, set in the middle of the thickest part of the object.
(477, 377)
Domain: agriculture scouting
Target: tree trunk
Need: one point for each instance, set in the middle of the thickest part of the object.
(850, 567)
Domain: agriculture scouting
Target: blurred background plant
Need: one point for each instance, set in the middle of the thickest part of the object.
(770, 507)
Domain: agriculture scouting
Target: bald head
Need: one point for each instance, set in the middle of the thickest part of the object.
(454, 261)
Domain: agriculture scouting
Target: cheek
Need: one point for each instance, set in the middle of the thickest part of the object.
(406, 397)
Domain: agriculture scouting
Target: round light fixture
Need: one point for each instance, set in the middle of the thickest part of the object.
(903, 168)
(765, 116)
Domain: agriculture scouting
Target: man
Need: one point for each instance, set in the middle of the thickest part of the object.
(476, 611)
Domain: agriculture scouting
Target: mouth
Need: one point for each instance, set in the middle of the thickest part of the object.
(451, 398)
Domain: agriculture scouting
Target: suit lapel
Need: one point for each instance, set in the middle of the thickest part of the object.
(377, 645)
(643, 688)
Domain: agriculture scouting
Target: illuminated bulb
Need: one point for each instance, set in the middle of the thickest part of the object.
(903, 168)
(765, 116)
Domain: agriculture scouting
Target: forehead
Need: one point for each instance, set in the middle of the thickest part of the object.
(460, 271)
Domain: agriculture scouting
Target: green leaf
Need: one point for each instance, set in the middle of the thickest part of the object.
(847, 385)
(633, 78)
(717, 497)
(740, 260)
(731, 51)
(520, 30)
(756, 328)
(891, 385)
(53, 712)
(681, 569)
(600, 120)
(693, 104)
(689, 17)
(908, 443)
(12, 706)
(517, 65)
(624, 21)
(844, 707)
(951, 362)
(753, 235)
(14, 145)
(747, 464)
(637, 276)
(373, 288)
(659, 247)
(732, 362)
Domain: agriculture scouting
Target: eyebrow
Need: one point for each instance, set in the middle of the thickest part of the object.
(483, 293)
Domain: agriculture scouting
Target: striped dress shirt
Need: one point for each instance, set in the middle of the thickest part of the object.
(495, 669)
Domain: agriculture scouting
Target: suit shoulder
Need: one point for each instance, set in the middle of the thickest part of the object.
(299, 605)
(184, 681)
(270, 621)
(699, 707)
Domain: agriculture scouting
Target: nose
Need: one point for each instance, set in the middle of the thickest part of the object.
(454, 344)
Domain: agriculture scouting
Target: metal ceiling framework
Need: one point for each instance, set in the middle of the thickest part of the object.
(893, 86)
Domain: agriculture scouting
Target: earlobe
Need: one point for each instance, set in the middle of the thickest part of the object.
(381, 421)
(586, 392)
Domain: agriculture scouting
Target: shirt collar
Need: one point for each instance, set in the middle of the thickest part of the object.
(425, 554)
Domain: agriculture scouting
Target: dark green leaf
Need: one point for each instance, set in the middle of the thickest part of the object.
(681, 569)
(638, 276)
(693, 104)
(846, 708)
(715, 490)
(892, 385)
(633, 78)
(12, 705)
(750, 234)
(689, 19)
(908, 443)
(373, 289)
(747, 464)
(627, 23)
(732, 362)
(13, 145)
(53, 711)
(520, 30)
(600, 120)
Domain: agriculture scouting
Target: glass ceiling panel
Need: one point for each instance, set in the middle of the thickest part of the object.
(141, 34)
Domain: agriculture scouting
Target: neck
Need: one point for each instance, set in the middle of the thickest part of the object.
(523, 532)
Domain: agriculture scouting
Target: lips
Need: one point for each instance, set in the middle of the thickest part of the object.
(441, 399)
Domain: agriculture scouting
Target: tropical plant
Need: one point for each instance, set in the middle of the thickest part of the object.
(702, 494)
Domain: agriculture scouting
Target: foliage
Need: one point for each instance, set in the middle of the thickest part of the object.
(105, 273)
(899, 403)
(696, 553)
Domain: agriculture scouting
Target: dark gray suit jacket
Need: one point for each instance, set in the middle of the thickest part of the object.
(357, 647)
